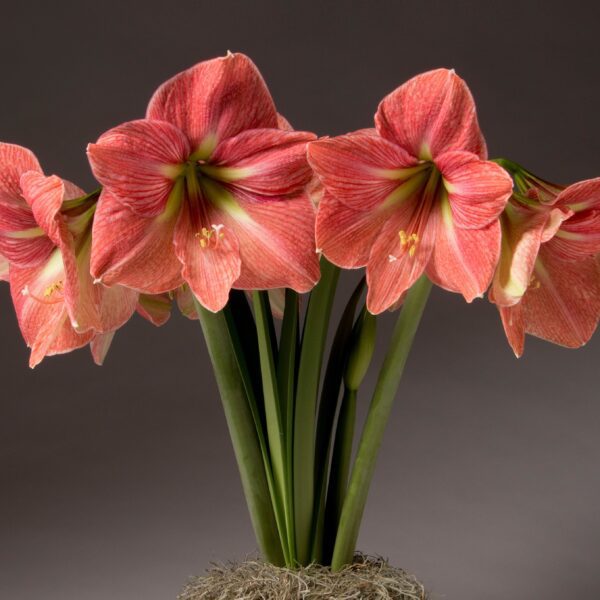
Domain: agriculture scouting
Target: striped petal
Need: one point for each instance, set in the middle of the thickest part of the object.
(514, 327)
(276, 237)
(579, 236)
(397, 258)
(478, 190)
(463, 260)
(523, 231)
(209, 253)
(361, 169)
(41, 312)
(344, 235)
(214, 100)
(137, 161)
(431, 113)
(265, 161)
(132, 250)
(563, 303)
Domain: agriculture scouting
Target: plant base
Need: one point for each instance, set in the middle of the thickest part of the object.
(368, 578)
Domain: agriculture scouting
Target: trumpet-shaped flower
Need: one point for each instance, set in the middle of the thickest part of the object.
(547, 282)
(45, 228)
(413, 195)
(209, 189)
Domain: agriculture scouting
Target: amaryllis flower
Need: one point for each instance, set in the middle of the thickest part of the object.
(3, 268)
(547, 282)
(208, 189)
(413, 195)
(45, 233)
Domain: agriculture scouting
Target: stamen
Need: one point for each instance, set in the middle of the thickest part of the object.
(57, 286)
(408, 242)
(210, 237)
(534, 282)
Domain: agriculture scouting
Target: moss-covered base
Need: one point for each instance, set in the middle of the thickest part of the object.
(368, 578)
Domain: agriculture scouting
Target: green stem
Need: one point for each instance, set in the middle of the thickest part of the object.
(242, 431)
(377, 418)
(340, 469)
(275, 433)
(309, 374)
(286, 377)
(327, 410)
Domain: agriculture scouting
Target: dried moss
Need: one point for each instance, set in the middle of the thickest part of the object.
(369, 578)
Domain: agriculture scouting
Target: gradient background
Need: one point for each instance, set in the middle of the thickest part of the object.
(120, 482)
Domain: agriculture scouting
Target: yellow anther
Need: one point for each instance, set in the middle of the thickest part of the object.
(55, 287)
(205, 236)
(408, 241)
(534, 282)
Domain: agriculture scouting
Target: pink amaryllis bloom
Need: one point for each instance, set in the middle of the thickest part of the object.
(45, 234)
(413, 195)
(3, 268)
(547, 282)
(209, 189)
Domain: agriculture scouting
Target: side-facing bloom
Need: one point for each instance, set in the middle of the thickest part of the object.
(547, 282)
(45, 234)
(413, 195)
(209, 189)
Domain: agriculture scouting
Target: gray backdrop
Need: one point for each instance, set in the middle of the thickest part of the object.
(119, 482)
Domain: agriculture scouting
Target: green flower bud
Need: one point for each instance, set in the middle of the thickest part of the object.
(362, 346)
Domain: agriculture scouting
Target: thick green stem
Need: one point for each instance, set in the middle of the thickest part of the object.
(286, 377)
(340, 469)
(327, 411)
(243, 432)
(375, 424)
(275, 427)
(309, 375)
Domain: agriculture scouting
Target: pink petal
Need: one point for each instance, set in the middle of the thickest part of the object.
(81, 297)
(478, 190)
(100, 346)
(21, 240)
(265, 161)
(133, 250)
(3, 268)
(346, 236)
(14, 161)
(394, 265)
(579, 236)
(360, 169)
(514, 327)
(463, 260)
(209, 253)
(155, 308)
(523, 231)
(563, 303)
(45, 197)
(137, 161)
(185, 302)
(431, 113)
(43, 320)
(214, 100)
(276, 239)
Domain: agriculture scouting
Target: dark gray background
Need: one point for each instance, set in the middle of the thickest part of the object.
(120, 482)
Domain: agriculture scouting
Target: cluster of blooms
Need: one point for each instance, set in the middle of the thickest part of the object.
(214, 190)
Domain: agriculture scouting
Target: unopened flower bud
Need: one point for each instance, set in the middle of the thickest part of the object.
(361, 350)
